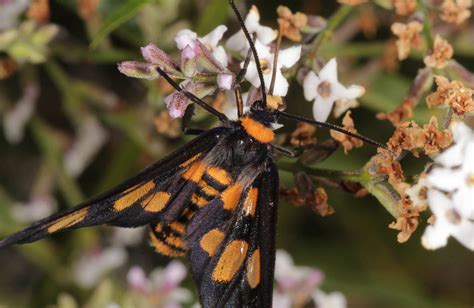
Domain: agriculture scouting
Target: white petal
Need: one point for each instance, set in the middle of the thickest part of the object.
(434, 238)
(174, 273)
(310, 86)
(266, 34)
(252, 75)
(452, 156)
(289, 56)
(185, 38)
(252, 20)
(329, 71)
(438, 203)
(353, 92)
(225, 81)
(264, 52)
(465, 234)
(237, 42)
(322, 108)
(213, 37)
(281, 84)
(445, 179)
(220, 55)
(463, 201)
(331, 300)
(284, 264)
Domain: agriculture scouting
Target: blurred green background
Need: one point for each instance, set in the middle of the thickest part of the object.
(354, 247)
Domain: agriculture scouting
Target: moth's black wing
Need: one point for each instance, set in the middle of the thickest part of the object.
(151, 195)
(232, 254)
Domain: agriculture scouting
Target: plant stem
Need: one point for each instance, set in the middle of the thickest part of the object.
(427, 27)
(339, 16)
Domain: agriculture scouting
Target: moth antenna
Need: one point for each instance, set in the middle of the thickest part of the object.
(333, 127)
(222, 117)
(252, 47)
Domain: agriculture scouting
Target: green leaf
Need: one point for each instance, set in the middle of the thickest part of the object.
(117, 18)
(216, 13)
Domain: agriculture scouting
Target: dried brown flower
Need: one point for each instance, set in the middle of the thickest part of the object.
(411, 137)
(456, 11)
(404, 111)
(7, 67)
(39, 10)
(88, 8)
(303, 135)
(347, 142)
(441, 54)
(319, 203)
(432, 139)
(291, 24)
(406, 224)
(404, 7)
(389, 59)
(408, 37)
(166, 125)
(453, 94)
(367, 22)
(386, 164)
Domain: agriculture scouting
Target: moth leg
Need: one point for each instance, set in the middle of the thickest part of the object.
(283, 151)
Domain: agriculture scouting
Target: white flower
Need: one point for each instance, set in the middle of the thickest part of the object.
(448, 222)
(297, 286)
(266, 35)
(9, 12)
(286, 59)
(325, 89)
(91, 136)
(186, 38)
(329, 300)
(163, 282)
(92, 266)
(38, 207)
(451, 192)
(15, 120)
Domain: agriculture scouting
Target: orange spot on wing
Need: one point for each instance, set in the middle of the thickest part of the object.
(220, 175)
(250, 203)
(195, 171)
(68, 221)
(132, 195)
(211, 241)
(156, 202)
(231, 196)
(230, 261)
(253, 269)
(257, 130)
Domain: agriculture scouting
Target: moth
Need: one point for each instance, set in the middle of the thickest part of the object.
(214, 200)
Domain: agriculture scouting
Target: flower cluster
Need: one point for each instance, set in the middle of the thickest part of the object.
(450, 192)
(205, 65)
(298, 286)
